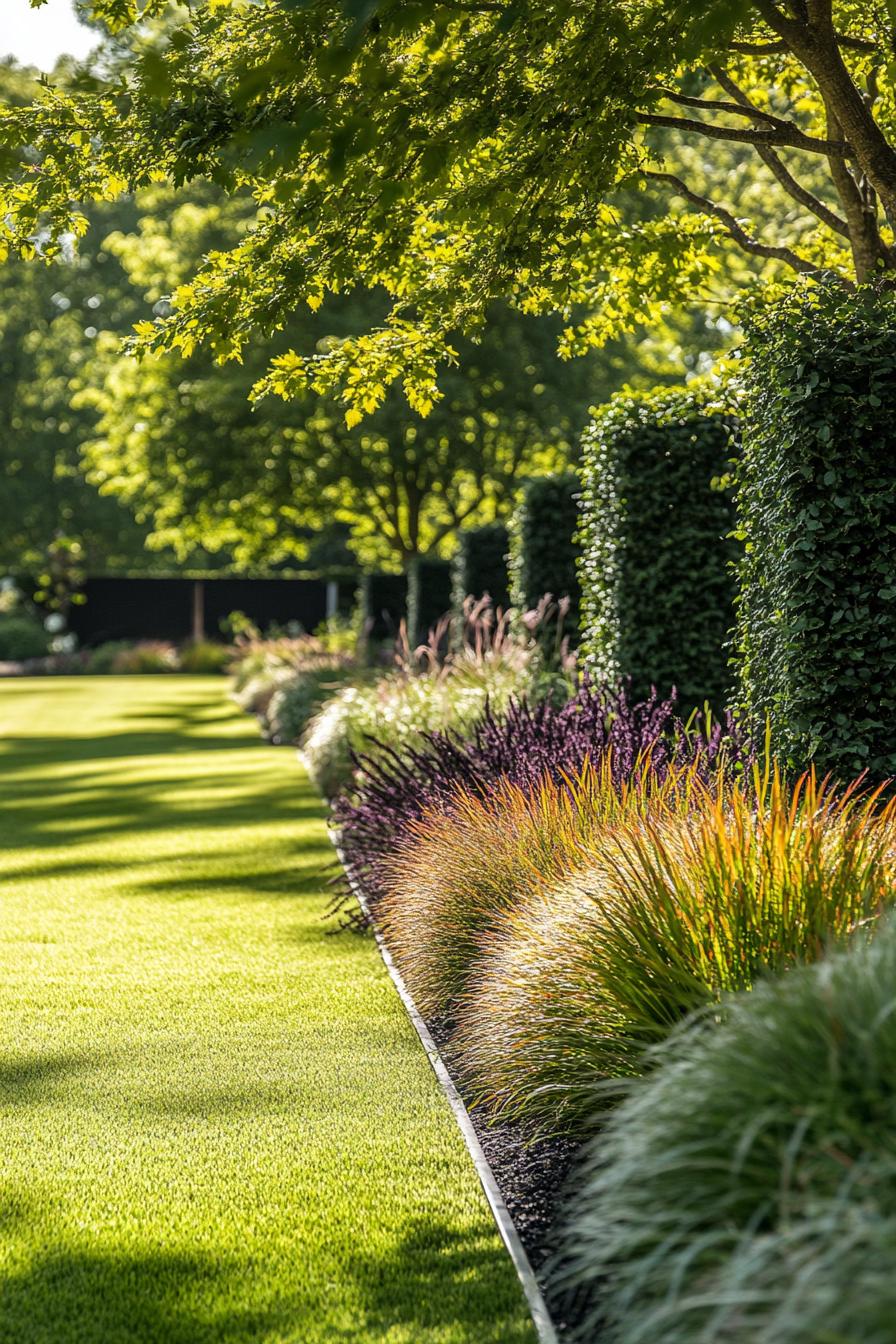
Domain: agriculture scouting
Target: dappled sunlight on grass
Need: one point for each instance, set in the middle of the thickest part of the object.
(217, 1123)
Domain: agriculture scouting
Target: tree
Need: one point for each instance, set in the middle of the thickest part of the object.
(50, 319)
(179, 441)
(454, 153)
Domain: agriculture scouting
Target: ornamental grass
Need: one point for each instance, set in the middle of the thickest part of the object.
(525, 744)
(745, 1190)
(666, 910)
(456, 875)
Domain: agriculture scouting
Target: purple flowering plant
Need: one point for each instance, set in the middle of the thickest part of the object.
(525, 744)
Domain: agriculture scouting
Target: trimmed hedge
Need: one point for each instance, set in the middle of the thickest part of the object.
(816, 636)
(429, 595)
(544, 547)
(657, 551)
(480, 565)
(383, 602)
(21, 638)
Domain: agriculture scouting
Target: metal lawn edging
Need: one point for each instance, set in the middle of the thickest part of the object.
(541, 1319)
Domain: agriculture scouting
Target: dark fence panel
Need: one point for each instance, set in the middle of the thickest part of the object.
(148, 608)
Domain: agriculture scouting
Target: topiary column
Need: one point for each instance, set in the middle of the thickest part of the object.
(429, 595)
(544, 548)
(656, 576)
(816, 633)
(480, 565)
(383, 603)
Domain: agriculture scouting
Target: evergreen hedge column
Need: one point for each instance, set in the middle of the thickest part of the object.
(480, 565)
(429, 595)
(544, 548)
(383, 603)
(816, 637)
(656, 576)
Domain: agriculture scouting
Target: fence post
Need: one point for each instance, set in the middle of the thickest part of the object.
(198, 611)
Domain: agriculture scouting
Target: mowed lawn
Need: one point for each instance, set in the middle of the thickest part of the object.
(215, 1121)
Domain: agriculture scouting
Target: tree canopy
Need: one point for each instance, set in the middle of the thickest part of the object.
(178, 440)
(455, 153)
(51, 319)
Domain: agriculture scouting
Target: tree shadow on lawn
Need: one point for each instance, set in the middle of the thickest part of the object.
(78, 1297)
(31, 1079)
(435, 1280)
(32, 816)
(435, 1277)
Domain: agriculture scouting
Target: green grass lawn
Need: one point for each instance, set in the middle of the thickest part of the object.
(216, 1123)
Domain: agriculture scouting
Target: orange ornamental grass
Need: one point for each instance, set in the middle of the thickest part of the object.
(456, 874)
(667, 912)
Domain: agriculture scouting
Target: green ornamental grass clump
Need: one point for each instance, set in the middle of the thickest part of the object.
(293, 672)
(746, 1190)
(397, 710)
(294, 703)
(147, 656)
(431, 688)
(205, 656)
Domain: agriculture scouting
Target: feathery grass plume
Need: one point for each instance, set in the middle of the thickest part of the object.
(667, 911)
(431, 689)
(455, 874)
(746, 1189)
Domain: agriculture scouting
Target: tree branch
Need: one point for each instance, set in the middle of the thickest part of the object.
(787, 29)
(791, 135)
(733, 109)
(758, 48)
(743, 239)
(771, 160)
(800, 193)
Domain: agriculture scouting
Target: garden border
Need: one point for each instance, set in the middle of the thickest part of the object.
(544, 1326)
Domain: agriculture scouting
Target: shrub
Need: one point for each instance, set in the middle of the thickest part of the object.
(428, 594)
(266, 667)
(294, 704)
(816, 637)
(544, 547)
(149, 656)
(655, 569)
(668, 913)
(395, 712)
(21, 638)
(746, 1190)
(205, 657)
(524, 745)
(383, 599)
(101, 659)
(479, 567)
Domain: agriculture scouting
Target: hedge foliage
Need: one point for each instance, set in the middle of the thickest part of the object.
(544, 548)
(816, 637)
(383, 602)
(657, 517)
(480, 565)
(429, 595)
